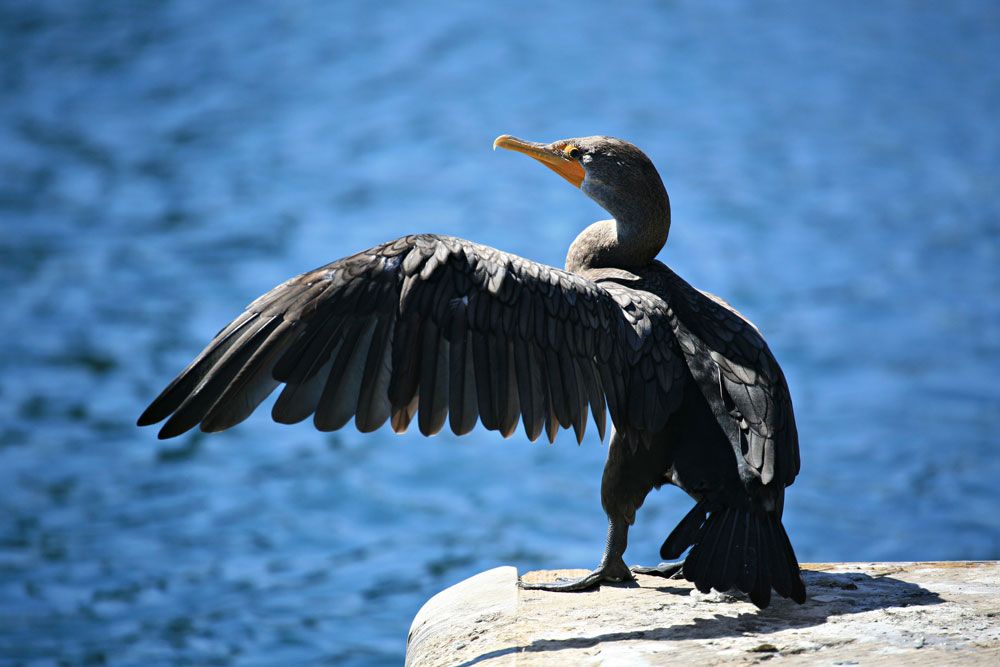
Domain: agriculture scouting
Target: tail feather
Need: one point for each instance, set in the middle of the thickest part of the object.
(733, 564)
(748, 573)
(781, 578)
(737, 548)
(721, 553)
(687, 532)
(760, 594)
(798, 589)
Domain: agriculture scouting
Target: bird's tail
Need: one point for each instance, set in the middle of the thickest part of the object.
(740, 548)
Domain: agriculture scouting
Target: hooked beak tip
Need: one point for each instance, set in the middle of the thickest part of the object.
(500, 141)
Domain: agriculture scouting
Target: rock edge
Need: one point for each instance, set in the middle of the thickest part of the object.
(857, 613)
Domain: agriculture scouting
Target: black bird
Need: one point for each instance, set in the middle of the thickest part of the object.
(444, 329)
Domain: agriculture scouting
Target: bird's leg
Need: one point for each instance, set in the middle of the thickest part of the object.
(611, 569)
(666, 570)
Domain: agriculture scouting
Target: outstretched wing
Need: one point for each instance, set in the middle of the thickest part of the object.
(425, 325)
(739, 377)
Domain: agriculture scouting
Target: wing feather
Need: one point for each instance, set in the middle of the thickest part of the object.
(197, 404)
(739, 377)
(373, 403)
(441, 329)
(433, 397)
(252, 383)
(339, 400)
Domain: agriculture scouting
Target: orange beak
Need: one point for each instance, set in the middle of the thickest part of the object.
(569, 169)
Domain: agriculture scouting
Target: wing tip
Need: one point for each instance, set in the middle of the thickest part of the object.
(151, 415)
(173, 428)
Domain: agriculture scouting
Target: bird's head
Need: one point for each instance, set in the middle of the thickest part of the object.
(616, 175)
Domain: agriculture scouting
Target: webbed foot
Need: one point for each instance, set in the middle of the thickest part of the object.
(665, 570)
(613, 572)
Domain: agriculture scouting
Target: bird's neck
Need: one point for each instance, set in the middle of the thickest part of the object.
(629, 241)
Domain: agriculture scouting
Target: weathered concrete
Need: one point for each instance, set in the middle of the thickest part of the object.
(857, 613)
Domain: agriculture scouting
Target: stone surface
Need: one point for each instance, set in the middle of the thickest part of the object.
(857, 613)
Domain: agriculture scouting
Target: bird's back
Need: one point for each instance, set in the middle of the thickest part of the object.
(730, 363)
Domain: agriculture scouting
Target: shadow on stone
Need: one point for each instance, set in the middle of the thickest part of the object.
(830, 594)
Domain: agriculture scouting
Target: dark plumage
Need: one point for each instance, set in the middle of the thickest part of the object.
(451, 332)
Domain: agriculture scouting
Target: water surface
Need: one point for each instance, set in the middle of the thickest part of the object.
(833, 169)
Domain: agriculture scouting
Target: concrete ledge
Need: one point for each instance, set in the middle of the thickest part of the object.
(857, 613)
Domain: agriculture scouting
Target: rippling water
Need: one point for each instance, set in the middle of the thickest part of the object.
(834, 173)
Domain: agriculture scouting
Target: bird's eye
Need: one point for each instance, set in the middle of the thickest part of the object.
(572, 152)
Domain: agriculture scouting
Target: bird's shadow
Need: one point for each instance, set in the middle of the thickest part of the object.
(830, 594)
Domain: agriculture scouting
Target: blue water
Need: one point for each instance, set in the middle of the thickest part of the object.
(834, 170)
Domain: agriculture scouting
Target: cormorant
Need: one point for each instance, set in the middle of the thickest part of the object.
(444, 329)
